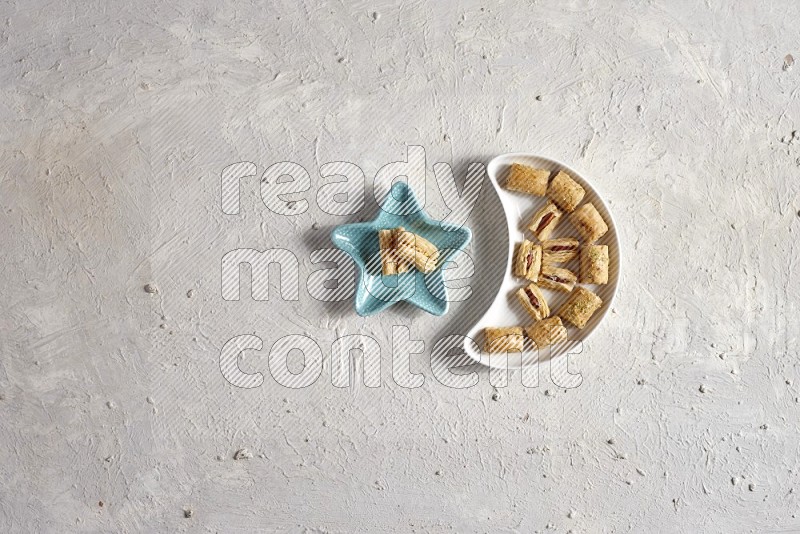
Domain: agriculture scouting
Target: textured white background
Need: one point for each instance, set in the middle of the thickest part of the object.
(115, 121)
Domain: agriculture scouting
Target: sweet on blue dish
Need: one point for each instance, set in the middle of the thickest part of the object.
(375, 292)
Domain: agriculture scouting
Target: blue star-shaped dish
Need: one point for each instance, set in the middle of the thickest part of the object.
(376, 292)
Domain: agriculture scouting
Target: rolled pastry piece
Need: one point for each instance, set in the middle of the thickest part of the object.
(556, 278)
(388, 263)
(565, 192)
(594, 264)
(419, 250)
(547, 332)
(580, 306)
(391, 262)
(533, 301)
(527, 180)
(589, 223)
(404, 263)
(528, 260)
(544, 222)
(560, 250)
(502, 339)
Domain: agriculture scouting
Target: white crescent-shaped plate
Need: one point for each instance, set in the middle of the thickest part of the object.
(505, 310)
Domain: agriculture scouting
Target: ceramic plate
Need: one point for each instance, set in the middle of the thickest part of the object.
(505, 310)
(375, 292)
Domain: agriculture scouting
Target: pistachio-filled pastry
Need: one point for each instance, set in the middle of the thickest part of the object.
(547, 332)
(418, 250)
(527, 180)
(556, 278)
(533, 301)
(580, 306)
(502, 339)
(594, 264)
(391, 262)
(560, 250)
(565, 192)
(589, 223)
(544, 221)
(528, 260)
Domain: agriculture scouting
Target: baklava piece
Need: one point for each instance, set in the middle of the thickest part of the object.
(533, 301)
(502, 339)
(528, 261)
(594, 264)
(547, 332)
(527, 180)
(580, 306)
(565, 192)
(557, 279)
(545, 221)
(559, 250)
(589, 223)
(418, 250)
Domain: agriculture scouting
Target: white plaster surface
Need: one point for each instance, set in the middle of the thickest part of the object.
(116, 119)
